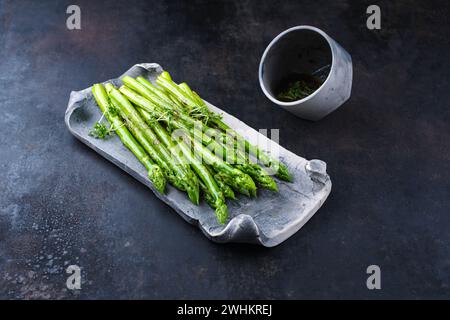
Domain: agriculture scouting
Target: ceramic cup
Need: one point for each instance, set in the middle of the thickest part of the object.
(307, 50)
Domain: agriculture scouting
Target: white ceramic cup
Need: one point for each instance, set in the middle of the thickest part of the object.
(306, 49)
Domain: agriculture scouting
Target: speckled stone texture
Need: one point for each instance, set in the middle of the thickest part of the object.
(387, 150)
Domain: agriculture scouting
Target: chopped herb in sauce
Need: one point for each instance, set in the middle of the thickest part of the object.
(297, 86)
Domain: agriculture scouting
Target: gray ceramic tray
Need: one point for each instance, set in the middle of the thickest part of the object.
(267, 220)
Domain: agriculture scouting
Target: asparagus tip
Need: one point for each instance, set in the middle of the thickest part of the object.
(249, 185)
(109, 87)
(268, 183)
(193, 194)
(283, 173)
(222, 213)
(156, 176)
(165, 75)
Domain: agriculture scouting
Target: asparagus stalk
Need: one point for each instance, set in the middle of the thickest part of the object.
(196, 110)
(167, 140)
(206, 194)
(192, 99)
(161, 111)
(155, 173)
(226, 189)
(149, 146)
(261, 155)
(145, 98)
(164, 137)
(172, 88)
(210, 187)
(160, 93)
(256, 172)
(150, 92)
(224, 152)
(230, 175)
(236, 157)
(214, 195)
(135, 121)
(221, 151)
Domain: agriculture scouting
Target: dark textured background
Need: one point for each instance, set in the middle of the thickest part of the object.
(387, 151)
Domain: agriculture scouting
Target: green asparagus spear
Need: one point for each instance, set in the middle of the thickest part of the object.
(146, 100)
(259, 174)
(166, 75)
(227, 153)
(226, 189)
(172, 87)
(216, 198)
(164, 112)
(192, 100)
(206, 194)
(149, 146)
(135, 120)
(196, 110)
(151, 93)
(262, 178)
(238, 159)
(261, 155)
(167, 140)
(232, 176)
(191, 94)
(155, 173)
(160, 93)
(156, 126)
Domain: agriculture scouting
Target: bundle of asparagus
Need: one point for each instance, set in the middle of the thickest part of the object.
(170, 129)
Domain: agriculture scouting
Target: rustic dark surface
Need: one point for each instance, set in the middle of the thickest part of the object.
(387, 149)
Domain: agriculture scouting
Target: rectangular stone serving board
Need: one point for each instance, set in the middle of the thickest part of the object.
(267, 220)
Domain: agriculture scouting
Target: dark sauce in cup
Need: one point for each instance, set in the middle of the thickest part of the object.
(297, 86)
